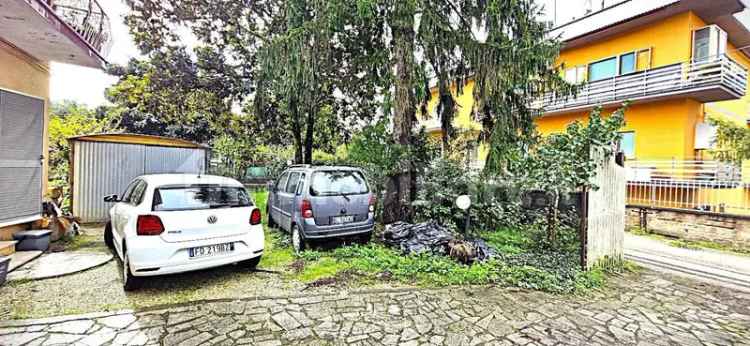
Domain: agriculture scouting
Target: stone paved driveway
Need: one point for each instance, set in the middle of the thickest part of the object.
(653, 309)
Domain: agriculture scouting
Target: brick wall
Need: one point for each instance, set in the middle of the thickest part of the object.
(695, 225)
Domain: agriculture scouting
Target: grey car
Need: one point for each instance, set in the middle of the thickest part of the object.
(318, 202)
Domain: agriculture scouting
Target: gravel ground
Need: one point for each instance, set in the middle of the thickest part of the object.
(100, 289)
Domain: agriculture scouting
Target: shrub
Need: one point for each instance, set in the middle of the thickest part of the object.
(445, 179)
(557, 273)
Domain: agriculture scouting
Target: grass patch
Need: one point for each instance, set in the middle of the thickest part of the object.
(507, 240)
(432, 270)
(520, 263)
(321, 268)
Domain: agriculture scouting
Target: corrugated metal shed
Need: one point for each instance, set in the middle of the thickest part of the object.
(104, 165)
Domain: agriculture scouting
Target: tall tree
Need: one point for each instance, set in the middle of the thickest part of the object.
(170, 94)
(499, 44)
(293, 59)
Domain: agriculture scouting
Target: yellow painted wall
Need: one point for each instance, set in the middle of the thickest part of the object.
(465, 104)
(21, 73)
(662, 129)
(669, 39)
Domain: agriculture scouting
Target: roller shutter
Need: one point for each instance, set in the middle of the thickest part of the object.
(21, 131)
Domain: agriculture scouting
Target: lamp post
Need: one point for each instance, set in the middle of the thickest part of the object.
(463, 202)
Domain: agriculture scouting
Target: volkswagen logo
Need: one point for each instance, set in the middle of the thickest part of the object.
(212, 219)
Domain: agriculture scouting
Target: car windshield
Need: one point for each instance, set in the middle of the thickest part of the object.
(199, 197)
(326, 183)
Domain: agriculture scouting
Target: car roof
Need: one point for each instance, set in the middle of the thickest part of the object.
(323, 168)
(189, 179)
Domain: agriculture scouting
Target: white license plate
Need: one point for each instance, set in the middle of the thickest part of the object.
(337, 220)
(210, 250)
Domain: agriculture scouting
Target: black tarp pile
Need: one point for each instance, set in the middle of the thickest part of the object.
(432, 237)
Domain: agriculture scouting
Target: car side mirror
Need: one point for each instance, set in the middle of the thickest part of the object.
(111, 199)
(271, 186)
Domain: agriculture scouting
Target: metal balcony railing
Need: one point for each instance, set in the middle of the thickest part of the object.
(88, 19)
(689, 184)
(720, 71)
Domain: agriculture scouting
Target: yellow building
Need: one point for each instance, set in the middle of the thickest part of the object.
(34, 33)
(678, 62)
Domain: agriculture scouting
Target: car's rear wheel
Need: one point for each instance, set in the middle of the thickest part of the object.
(251, 263)
(129, 282)
(108, 238)
(271, 223)
(298, 240)
(364, 238)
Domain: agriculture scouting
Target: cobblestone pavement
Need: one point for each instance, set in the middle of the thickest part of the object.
(647, 309)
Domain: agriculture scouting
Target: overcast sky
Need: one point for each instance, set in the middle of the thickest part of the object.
(87, 85)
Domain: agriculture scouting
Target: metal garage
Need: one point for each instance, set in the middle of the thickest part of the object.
(21, 161)
(104, 165)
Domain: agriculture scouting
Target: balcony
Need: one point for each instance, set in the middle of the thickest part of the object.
(88, 19)
(716, 79)
(69, 31)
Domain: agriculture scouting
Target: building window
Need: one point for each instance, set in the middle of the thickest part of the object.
(603, 69)
(708, 43)
(627, 144)
(575, 75)
(627, 63)
(643, 59)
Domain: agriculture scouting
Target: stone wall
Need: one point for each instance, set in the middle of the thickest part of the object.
(695, 225)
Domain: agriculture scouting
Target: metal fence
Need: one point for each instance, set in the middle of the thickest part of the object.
(689, 184)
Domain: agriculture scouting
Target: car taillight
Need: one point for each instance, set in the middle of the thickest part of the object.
(372, 203)
(255, 217)
(306, 209)
(149, 225)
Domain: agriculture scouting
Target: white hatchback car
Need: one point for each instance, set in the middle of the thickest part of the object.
(172, 223)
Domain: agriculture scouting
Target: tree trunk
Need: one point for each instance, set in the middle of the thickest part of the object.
(399, 190)
(297, 132)
(446, 116)
(309, 138)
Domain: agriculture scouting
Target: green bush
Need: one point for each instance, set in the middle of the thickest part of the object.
(552, 272)
(492, 206)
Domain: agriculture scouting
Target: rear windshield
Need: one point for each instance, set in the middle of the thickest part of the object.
(200, 197)
(327, 183)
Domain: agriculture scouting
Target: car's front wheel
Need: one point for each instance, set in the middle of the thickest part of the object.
(129, 282)
(108, 238)
(298, 240)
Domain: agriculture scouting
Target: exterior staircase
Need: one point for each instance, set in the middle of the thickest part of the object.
(7, 247)
(17, 258)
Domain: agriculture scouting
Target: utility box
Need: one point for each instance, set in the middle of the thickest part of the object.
(105, 164)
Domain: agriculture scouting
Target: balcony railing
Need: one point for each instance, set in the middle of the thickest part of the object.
(88, 19)
(720, 73)
(689, 184)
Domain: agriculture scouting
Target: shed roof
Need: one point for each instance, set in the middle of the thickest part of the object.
(132, 138)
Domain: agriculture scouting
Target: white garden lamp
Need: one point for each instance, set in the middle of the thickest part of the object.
(463, 202)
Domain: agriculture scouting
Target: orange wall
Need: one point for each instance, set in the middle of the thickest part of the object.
(669, 39)
(662, 130)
